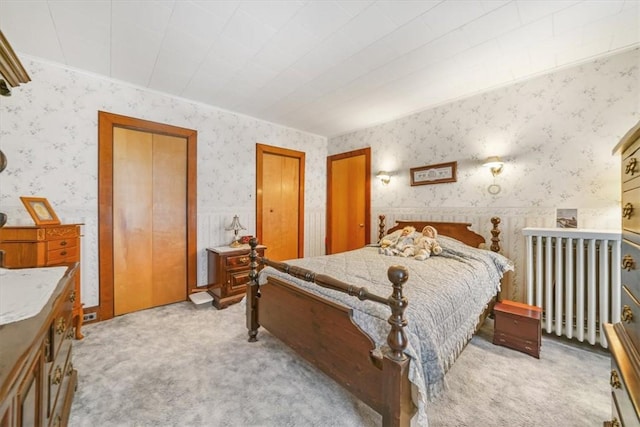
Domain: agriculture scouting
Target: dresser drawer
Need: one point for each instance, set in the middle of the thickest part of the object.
(517, 326)
(631, 210)
(57, 256)
(630, 267)
(61, 329)
(529, 346)
(62, 232)
(622, 404)
(54, 245)
(59, 375)
(630, 316)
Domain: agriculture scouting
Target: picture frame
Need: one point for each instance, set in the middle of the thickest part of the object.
(434, 174)
(40, 210)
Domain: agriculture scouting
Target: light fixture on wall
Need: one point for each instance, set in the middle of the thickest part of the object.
(495, 165)
(235, 227)
(384, 177)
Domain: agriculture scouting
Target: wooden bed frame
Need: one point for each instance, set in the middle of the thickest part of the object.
(325, 334)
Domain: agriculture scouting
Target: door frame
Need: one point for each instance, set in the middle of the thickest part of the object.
(261, 150)
(106, 123)
(366, 152)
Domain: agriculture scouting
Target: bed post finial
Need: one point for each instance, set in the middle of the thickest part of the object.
(252, 292)
(381, 226)
(397, 338)
(495, 232)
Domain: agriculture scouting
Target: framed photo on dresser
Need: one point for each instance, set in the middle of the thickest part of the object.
(40, 210)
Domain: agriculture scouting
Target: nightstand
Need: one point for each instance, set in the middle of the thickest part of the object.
(229, 273)
(517, 326)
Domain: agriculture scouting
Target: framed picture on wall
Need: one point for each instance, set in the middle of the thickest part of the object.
(40, 210)
(434, 174)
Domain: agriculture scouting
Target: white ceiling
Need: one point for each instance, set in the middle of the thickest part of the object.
(325, 67)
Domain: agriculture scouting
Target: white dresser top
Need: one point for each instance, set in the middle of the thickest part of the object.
(24, 291)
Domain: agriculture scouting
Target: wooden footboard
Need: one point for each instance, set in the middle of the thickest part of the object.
(325, 334)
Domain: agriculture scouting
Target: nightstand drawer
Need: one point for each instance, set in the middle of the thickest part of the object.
(630, 315)
(238, 261)
(630, 267)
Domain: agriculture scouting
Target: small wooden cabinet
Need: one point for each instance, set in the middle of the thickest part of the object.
(37, 377)
(44, 246)
(518, 326)
(229, 273)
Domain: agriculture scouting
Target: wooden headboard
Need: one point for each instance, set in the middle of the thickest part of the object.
(457, 230)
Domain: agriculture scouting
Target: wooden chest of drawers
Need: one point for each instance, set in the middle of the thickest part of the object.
(37, 377)
(518, 326)
(44, 246)
(229, 273)
(624, 336)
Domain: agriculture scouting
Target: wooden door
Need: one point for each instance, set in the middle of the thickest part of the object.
(147, 216)
(348, 200)
(149, 220)
(280, 201)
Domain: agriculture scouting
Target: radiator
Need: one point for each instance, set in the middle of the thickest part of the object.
(574, 276)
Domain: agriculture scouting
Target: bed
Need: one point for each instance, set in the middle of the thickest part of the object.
(387, 328)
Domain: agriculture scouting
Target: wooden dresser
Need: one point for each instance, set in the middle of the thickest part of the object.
(37, 377)
(624, 336)
(229, 273)
(44, 246)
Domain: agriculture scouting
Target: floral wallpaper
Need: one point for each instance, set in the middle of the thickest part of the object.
(554, 132)
(49, 134)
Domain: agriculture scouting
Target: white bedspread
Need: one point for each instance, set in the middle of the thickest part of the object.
(446, 294)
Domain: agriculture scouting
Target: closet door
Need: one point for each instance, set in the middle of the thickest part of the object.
(149, 220)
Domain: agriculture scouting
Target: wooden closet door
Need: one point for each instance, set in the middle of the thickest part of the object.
(280, 201)
(348, 204)
(149, 220)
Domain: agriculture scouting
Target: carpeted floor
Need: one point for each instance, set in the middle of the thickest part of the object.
(182, 366)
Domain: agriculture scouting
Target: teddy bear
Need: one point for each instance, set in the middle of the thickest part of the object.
(426, 244)
(399, 244)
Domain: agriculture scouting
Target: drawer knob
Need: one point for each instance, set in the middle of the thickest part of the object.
(63, 243)
(244, 259)
(628, 263)
(61, 325)
(631, 166)
(614, 380)
(615, 422)
(70, 369)
(63, 253)
(72, 296)
(627, 211)
(57, 376)
(627, 314)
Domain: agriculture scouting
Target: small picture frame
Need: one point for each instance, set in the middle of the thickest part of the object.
(40, 210)
(434, 174)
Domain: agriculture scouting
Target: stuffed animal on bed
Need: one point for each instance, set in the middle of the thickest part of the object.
(426, 244)
(398, 244)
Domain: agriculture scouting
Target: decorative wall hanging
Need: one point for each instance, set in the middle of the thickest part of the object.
(434, 174)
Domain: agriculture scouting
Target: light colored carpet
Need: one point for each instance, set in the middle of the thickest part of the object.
(181, 366)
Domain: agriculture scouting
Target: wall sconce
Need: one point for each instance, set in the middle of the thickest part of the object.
(495, 165)
(384, 177)
(235, 227)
